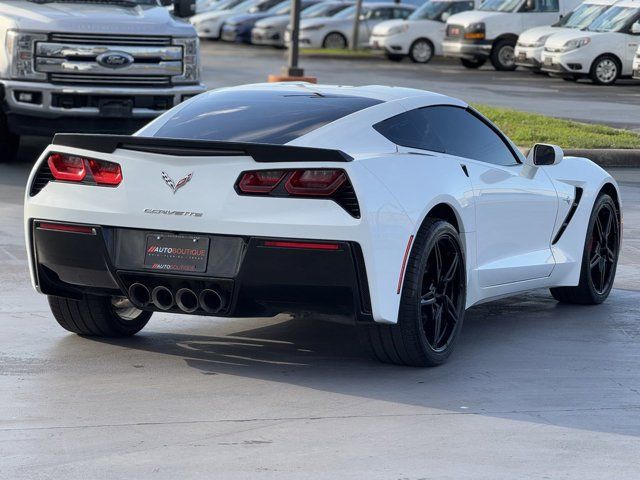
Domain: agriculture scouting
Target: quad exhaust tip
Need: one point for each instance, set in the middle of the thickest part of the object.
(187, 300)
(139, 295)
(162, 298)
(211, 301)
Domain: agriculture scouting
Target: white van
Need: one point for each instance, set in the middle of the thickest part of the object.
(420, 36)
(531, 42)
(491, 32)
(604, 51)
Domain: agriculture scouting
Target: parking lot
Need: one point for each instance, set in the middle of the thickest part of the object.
(534, 390)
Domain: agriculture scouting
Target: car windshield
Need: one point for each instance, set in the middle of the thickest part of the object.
(323, 10)
(500, 5)
(430, 11)
(261, 116)
(613, 19)
(280, 9)
(582, 16)
(348, 13)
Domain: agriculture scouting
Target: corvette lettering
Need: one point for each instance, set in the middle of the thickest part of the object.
(177, 213)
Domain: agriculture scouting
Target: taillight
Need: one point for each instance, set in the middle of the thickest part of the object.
(325, 183)
(67, 167)
(73, 168)
(105, 173)
(260, 181)
(315, 182)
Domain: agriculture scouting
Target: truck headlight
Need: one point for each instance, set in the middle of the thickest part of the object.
(20, 48)
(475, 31)
(190, 60)
(575, 44)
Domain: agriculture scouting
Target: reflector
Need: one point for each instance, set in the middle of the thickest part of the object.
(306, 245)
(64, 227)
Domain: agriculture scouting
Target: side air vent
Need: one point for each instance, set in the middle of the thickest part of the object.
(570, 214)
(41, 179)
(346, 198)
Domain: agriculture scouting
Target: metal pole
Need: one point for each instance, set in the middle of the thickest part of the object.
(292, 70)
(356, 25)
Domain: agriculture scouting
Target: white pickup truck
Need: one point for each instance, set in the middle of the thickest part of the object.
(97, 66)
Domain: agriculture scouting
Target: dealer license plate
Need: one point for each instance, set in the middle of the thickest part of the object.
(548, 61)
(176, 253)
(522, 56)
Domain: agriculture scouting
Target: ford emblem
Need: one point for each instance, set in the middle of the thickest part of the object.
(115, 59)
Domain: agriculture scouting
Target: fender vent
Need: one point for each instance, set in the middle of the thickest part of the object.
(570, 214)
(41, 179)
(346, 198)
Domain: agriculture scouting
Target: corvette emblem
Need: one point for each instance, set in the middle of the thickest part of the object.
(175, 186)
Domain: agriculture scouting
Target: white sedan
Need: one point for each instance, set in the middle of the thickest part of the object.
(337, 31)
(420, 36)
(209, 23)
(603, 52)
(393, 207)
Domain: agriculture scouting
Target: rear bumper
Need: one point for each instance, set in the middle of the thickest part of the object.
(254, 277)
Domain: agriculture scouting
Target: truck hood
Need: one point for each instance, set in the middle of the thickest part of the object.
(473, 16)
(94, 18)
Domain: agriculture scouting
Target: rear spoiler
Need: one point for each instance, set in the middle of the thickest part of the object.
(260, 152)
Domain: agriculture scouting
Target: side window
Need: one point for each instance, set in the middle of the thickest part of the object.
(457, 7)
(381, 14)
(401, 13)
(547, 6)
(447, 129)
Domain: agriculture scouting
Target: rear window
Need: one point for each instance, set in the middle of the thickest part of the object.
(258, 116)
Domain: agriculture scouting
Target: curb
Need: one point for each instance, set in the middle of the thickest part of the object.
(605, 157)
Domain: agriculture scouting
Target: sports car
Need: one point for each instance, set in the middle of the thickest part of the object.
(394, 207)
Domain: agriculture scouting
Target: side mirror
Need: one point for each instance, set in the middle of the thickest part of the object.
(543, 154)
(184, 8)
(445, 16)
(363, 17)
(529, 5)
(635, 28)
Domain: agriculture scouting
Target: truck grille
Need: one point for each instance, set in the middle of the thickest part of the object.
(110, 39)
(137, 80)
(118, 60)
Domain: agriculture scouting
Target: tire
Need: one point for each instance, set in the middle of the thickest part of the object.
(473, 63)
(9, 142)
(605, 70)
(416, 339)
(394, 57)
(502, 56)
(597, 272)
(421, 51)
(98, 316)
(334, 40)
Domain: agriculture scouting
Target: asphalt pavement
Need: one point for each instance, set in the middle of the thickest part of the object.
(535, 390)
(227, 64)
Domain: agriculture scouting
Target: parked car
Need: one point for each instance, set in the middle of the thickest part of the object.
(209, 24)
(420, 36)
(491, 32)
(337, 31)
(603, 52)
(238, 28)
(270, 31)
(531, 42)
(636, 65)
(103, 67)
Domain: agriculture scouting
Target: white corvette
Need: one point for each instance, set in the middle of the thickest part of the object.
(397, 207)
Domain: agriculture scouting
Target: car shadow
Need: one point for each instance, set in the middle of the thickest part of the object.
(526, 358)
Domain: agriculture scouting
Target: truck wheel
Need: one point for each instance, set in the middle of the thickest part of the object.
(502, 55)
(432, 304)
(472, 62)
(9, 142)
(605, 70)
(421, 51)
(599, 259)
(98, 316)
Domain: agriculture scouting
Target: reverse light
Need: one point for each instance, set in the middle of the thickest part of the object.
(260, 181)
(73, 168)
(315, 182)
